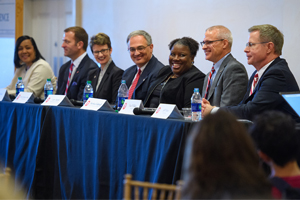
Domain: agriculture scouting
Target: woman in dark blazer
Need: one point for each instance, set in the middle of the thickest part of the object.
(107, 78)
(175, 83)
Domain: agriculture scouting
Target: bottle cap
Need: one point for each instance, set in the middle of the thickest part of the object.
(123, 81)
(48, 79)
(19, 78)
(196, 89)
(89, 82)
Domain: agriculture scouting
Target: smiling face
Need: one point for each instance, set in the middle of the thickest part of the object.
(102, 53)
(258, 53)
(140, 57)
(26, 52)
(71, 48)
(213, 51)
(180, 59)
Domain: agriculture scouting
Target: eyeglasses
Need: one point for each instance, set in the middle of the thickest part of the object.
(103, 51)
(250, 44)
(139, 49)
(209, 42)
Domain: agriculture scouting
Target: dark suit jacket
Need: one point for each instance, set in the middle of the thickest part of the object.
(179, 90)
(276, 78)
(108, 88)
(229, 85)
(147, 77)
(79, 79)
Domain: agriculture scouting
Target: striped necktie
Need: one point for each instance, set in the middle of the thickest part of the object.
(208, 81)
(133, 85)
(255, 80)
(69, 78)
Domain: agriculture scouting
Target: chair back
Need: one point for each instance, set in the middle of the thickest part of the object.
(165, 191)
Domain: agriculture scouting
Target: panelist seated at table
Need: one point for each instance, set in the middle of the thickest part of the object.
(272, 76)
(32, 67)
(107, 78)
(175, 83)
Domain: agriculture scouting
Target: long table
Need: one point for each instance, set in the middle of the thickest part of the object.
(69, 153)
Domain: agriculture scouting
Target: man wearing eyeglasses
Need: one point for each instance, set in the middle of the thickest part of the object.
(226, 83)
(73, 74)
(140, 76)
(272, 75)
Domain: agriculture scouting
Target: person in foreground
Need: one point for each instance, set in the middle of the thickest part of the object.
(140, 76)
(175, 83)
(226, 83)
(32, 67)
(276, 139)
(220, 162)
(72, 75)
(106, 79)
(272, 75)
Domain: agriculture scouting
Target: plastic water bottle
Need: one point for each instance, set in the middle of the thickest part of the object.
(122, 94)
(88, 91)
(196, 102)
(48, 88)
(19, 86)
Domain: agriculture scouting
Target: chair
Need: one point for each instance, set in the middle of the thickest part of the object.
(162, 189)
(5, 177)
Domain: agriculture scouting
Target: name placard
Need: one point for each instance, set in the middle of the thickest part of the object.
(97, 104)
(57, 100)
(24, 97)
(167, 111)
(4, 95)
(129, 105)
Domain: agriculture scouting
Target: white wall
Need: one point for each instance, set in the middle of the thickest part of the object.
(166, 20)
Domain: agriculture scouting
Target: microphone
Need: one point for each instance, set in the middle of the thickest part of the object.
(139, 111)
(76, 102)
(38, 100)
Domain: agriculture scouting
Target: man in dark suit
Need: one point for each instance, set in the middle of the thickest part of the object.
(73, 74)
(106, 79)
(272, 75)
(226, 84)
(140, 76)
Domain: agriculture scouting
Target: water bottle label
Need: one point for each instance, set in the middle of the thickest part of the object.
(18, 90)
(121, 101)
(196, 107)
(47, 93)
(87, 95)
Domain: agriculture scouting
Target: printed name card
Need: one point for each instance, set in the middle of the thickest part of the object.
(4, 95)
(129, 105)
(57, 100)
(167, 111)
(97, 104)
(24, 97)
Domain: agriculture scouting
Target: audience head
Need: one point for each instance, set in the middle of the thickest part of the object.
(75, 42)
(217, 43)
(101, 48)
(26, 51)
(182, 54)
(275, 136)
(221, 161)
(264, 45)
(140, 47)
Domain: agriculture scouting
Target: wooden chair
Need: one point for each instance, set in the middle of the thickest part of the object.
(163, 189)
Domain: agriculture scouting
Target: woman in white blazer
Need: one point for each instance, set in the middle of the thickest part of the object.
(32, 67)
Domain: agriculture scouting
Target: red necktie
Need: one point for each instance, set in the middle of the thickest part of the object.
(135, 81)
(255, 80)
(208, 81)
(69, 78)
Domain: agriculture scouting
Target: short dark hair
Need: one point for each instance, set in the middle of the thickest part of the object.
(17, 60)
(275, 135)
(80, 35)
(186, 41)
(221, 161)
(100, 39)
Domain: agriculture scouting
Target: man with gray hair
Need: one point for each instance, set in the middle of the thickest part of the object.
(140, 76)
(226, 83)
(272, 76)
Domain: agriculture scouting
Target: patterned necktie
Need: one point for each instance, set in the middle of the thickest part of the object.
(134, 84)
(69, 78)
(208, 81)
(255, 80)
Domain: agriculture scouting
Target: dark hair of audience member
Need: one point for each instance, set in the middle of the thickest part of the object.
(275, 135)
(17, 60)
(221, 161)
